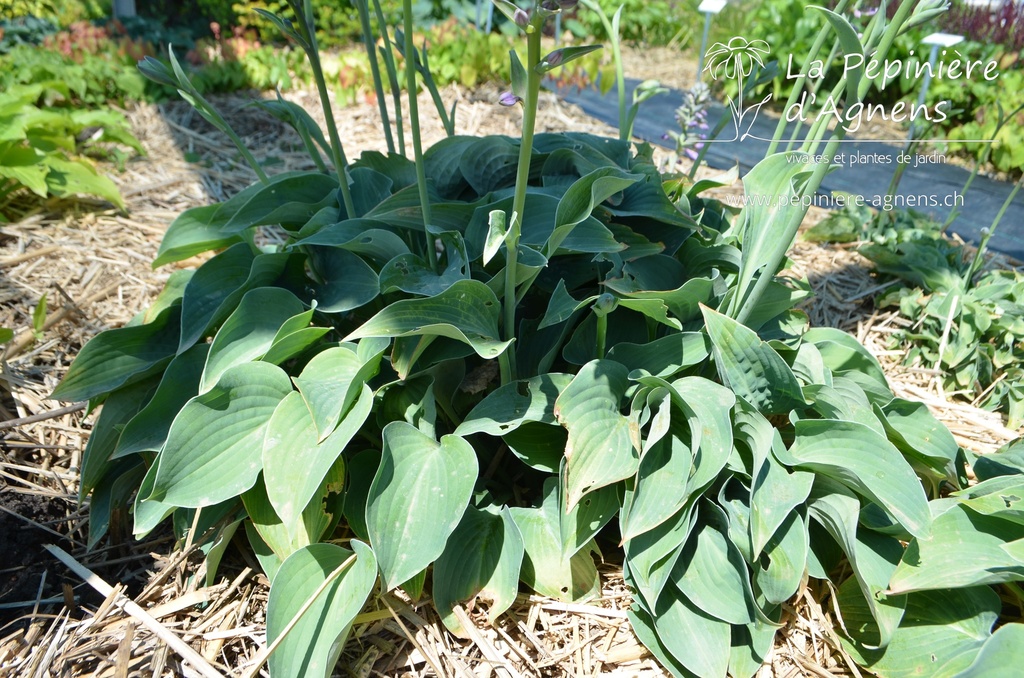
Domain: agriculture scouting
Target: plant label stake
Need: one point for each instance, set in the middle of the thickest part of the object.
(708, 8)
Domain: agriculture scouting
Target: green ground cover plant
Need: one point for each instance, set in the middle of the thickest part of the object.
(483, 364)
(45, 149)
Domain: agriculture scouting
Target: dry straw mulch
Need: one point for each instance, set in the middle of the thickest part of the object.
(140, 609)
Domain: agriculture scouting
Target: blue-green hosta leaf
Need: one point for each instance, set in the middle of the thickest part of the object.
(941, 633)
(467, 311)
(580, 199)
(539, 446)
(751, 645)
(873, 557)
(417, 499)
(661, 483)
(600, 450)
(709, 404)
(562, 305)
(1002, 497)
(170, 295)
(1007, 460)
(291, 200)
(510, 406)
(410, 273)
(786, 557)
(115, 490)
(217, 286)
(866, 462)
(288, 346)
(843, 400)
(809, 366)
(147, 430)
(965, 549)
(490, 163)
(920, 436)
(580, 524)
(193, 232)
(1004, 649)
(481, 560)
(332, 380)
(547, 567)
(697, 640)
(779, 176)
(663, 357)
(711, 572)
(201, 229)
(308, 526)
(212, 449)
(442, 164)
(147, 514)
(844, 355)
(119, 357)
(750, 367)
(366, 237)
(249, 331)
(312, 647)
(347, 282)
(683, 302)
(651, 556)
(118, 409)
(590, 235)
(775, 494)
(295, 460)
(642, 624)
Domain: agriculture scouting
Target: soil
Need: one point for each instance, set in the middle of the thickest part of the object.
(22, 557)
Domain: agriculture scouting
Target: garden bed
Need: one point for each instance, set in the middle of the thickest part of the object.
(93, 265)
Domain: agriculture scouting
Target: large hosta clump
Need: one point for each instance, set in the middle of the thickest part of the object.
(345, 386)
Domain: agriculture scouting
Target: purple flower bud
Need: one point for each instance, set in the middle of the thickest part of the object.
(521, 17)
(509, 99)
(554, 58)
(567, 4)
(549, 5)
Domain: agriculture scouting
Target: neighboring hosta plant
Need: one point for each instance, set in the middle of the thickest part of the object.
(490, 378)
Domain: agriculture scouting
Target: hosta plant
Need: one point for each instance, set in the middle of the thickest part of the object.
(481, 368)
(43, 149)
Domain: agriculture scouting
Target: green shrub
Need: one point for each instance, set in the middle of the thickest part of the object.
(41, 152)
(94, 80)
(337, 21)
(658, 22)
(27, 30)
(60, 12)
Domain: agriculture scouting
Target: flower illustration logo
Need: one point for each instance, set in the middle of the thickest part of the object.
(736, 60)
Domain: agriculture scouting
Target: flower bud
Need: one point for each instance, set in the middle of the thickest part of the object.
(521, 17)
(509, 99)
(566, 4)
(605, 304)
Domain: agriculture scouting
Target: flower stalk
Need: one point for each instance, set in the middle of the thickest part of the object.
(371, 53)
(530, 98)
(417, 143)
(307, 31)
